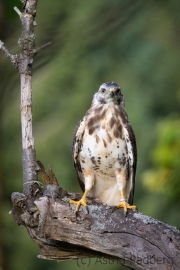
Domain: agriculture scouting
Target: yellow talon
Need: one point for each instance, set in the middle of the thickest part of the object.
(82, 201)
(124, 204)
(79, 203)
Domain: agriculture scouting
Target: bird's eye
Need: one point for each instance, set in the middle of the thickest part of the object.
(117, 91)
(103, 90)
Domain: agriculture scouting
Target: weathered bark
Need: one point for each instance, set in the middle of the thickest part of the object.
(136, 241)
(27, 42)
(23, 63)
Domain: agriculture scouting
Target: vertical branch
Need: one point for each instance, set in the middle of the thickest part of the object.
(27, 42)
(28, 148)
(26, 112)
(23, 63)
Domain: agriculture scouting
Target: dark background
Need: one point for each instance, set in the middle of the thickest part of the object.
(133, 43)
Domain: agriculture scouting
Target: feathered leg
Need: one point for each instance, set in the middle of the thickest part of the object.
(89, 181)
(121, 181)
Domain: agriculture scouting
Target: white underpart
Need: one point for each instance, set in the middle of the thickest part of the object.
(111, 177)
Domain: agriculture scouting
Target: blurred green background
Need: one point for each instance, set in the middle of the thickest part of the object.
(133, 43)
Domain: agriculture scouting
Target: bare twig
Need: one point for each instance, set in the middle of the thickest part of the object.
(18, 11)
(13, 58)
(41, 48)
(5, 50)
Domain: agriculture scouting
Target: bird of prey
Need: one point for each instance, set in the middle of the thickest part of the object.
(104, 151)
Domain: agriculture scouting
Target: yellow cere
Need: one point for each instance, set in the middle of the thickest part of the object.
(111, 89)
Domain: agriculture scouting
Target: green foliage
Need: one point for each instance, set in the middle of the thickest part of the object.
(165, 174)
(134, 43)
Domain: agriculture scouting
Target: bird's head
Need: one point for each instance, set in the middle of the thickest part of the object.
(109, 93)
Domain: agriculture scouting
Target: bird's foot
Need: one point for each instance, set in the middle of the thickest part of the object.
(79, 203)
(82, 201)
(125, 205)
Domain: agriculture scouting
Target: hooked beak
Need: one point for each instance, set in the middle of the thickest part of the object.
(111, 92)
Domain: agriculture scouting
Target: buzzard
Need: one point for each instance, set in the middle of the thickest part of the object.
(104, 151)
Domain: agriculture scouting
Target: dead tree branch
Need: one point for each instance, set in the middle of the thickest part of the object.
(23, 63)
(136, 241)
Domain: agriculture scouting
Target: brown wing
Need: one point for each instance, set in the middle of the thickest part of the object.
(132, 156)
(77, 142)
